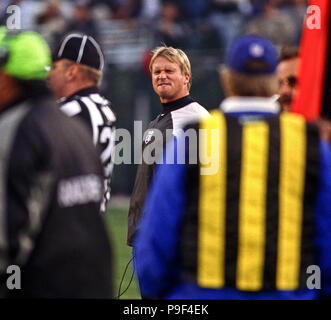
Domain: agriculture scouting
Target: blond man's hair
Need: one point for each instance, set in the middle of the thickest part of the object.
(242, 85)
(174, 55)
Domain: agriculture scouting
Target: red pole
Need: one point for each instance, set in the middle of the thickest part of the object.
(313, 53)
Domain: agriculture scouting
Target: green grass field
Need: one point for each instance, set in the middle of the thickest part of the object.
(116, 219)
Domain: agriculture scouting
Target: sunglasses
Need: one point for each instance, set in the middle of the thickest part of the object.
(290, 81)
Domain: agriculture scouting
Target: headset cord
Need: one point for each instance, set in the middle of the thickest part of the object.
(120, 286)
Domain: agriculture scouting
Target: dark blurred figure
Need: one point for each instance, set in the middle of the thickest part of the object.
(51, 23)
(82, 20)
(227, 17)
(194, 10)
(3, 14)
(170, 27)
(202, 32)
(127, 9)
(324, 126)
(297, 10)
(273, 24)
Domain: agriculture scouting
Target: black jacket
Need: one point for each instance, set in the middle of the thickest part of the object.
(50, 192)
(173, 116)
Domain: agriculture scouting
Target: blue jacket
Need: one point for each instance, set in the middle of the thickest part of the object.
(157, 243)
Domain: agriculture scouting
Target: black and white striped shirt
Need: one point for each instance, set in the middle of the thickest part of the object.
(88, 105)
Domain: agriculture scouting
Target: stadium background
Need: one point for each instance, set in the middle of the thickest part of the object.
(127, 30)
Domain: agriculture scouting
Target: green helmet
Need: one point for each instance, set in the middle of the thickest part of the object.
(24, 55)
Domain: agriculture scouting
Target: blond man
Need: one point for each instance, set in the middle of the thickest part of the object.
(171, 78)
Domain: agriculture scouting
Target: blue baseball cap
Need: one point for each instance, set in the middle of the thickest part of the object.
(252, 54)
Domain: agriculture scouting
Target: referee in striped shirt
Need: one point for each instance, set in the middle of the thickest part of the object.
(74, 79)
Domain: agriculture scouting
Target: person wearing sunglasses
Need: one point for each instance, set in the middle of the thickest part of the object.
(287, 72)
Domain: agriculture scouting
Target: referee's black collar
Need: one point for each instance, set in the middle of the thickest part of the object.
(174, 105)
(81, 93)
